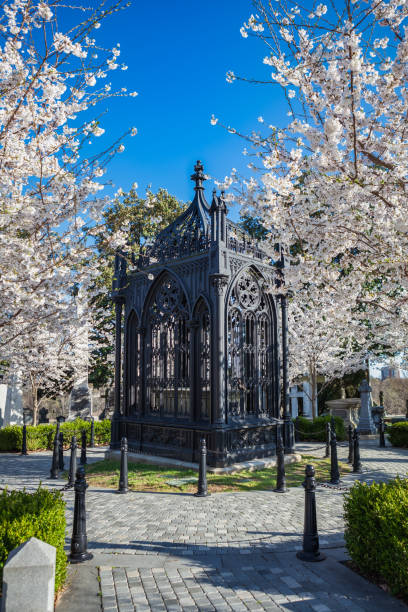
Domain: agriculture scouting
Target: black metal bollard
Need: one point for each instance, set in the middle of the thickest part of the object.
(310, 550)
(202, 490)
(357, 467)
(280, 464)
(55, 462)
(334, 464)
(382, 432)
(24, 444)
(72, 462)
(382, 398)
(328, 438)
(123, 478)
(92, 432)
(83, 447)
(79, 541)
(61, 452)
(350, 430)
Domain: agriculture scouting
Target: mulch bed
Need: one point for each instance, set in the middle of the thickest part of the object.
(374, 579)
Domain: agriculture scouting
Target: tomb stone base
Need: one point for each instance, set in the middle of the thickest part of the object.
(225, 444)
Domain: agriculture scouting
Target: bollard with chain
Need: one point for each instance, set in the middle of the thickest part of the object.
(79, 541)
(350, 443)
(72, 462)
(382, 431)
(328, 430)
(83, 447)
(280, 463)
(123, 478)
(24, 444)
(310, 550)
(55, 462)
(92, 432)
(334, 464)
(61, 452)
(202, 490)
(357, 467)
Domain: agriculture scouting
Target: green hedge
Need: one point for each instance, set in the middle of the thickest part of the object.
(398, 434)
(316, 430)
(41, 515)
(41, 437)
(376, 532)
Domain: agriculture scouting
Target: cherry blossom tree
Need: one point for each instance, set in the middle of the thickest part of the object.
(50, 205)
(330, 185)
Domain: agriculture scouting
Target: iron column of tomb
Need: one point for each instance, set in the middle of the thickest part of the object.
(119, 281)
(288, 438)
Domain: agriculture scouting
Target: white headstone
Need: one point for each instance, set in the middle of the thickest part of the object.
(11, 400)
(29, 578)
(3, 398)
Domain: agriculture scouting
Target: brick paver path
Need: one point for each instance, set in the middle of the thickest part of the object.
(229, 551)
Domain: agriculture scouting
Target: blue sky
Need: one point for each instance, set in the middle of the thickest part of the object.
(178, 53)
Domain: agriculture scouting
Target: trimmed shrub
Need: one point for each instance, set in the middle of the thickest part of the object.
(315, 430)
(398, 434)
(41, 437)
(376, 532)
(11, 438)
(41, 515)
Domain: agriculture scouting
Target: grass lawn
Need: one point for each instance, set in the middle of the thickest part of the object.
(144, 477)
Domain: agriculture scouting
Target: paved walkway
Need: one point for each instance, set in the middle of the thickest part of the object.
(230, 551)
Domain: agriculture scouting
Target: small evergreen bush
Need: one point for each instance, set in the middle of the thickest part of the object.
(315, 431)
(41, 515)
(376, 532)
(398, 434)
(41, 437)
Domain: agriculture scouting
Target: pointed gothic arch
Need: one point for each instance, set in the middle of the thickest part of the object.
(252, 362)
(167, 349)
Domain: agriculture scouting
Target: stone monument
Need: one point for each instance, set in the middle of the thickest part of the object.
(11, 400)
(365, 423)
(346, 408)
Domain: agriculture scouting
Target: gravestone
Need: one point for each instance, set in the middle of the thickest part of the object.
(365, 422)
(43, 416)
(29, 578)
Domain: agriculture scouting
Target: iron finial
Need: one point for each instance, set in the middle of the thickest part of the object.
(198, 175)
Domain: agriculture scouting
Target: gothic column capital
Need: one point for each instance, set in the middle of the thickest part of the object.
(219, 282)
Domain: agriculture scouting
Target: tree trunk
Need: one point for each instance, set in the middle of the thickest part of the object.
(35, 407)
(313, 381)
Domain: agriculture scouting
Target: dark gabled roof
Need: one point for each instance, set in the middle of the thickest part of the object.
(190, 232)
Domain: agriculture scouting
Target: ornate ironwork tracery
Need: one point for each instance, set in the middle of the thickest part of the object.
(249, 349)
(133, 373)
(202, 375)
(168, 347)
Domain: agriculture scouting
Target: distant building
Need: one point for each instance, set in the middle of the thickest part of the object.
(393, 372)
